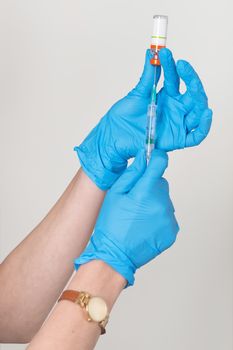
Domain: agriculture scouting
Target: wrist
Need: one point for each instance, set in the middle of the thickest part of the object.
(99, 279)
(95, 159)
(102, 248)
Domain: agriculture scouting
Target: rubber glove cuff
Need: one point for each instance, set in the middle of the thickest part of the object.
(102, 248)
(102, 177)
(103, 168)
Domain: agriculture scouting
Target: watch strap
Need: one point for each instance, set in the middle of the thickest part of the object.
(82, 299)
(71, 295)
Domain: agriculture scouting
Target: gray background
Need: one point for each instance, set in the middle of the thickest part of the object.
(62, 65)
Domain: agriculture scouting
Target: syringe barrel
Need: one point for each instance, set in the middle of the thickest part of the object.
(159, 37)
(150, 130)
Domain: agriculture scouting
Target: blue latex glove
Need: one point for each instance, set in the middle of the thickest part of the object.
(120, 134)
(183, 120)
(136, 222)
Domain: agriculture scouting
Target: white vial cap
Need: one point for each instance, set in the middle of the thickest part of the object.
(159, 35)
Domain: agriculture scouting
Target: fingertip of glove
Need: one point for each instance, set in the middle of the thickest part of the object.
(149, 53)
(158, 163)
(160, 155)
(207, 119)
(165, 55)
(209, 112)
(165, 52)
(183, 65)
(139, 160)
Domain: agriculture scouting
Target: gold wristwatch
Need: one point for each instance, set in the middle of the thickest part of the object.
(96, 307)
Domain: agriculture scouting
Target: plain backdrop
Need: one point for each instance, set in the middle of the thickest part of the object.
(63, 63)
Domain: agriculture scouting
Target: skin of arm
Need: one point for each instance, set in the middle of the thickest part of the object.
(67, 327)
(136, 223)
(34, 274)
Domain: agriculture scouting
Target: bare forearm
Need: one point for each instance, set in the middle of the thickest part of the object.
(35, 273)
(67, 327)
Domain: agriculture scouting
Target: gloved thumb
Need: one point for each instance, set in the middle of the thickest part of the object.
(155, 170)
(131, 175)
(158, 164)
(144, 87)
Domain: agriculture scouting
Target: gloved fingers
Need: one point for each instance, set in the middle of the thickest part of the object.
(131, 175)
(157, 165)
(144, 87)
(196, 136)
(192, 119)
(191, 79)
(190, 101)
(194, 98)
(171, 78)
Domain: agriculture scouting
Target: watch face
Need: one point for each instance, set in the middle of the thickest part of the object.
(97, 309)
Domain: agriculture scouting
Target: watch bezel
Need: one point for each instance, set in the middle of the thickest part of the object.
(90, 319)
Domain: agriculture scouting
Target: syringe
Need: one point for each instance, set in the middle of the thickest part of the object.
(151, 122)
(158, 41)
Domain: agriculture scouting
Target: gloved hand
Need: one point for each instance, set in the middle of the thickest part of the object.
(136, 222)
(120, 134)
(183, 120)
